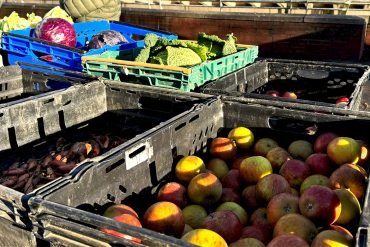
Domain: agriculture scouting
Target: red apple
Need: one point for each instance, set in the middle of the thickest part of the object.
(119, 209)
(322, 141)
(295, 171)
(173, 192)
(349, 176)
(273, 93)
(127, 218)
(263, 146)
(230, 195)
(342, 101)
(217, 222)
(223, 148)
(218, 167)
(300, 149)
(271, 185)
(254, 168)
(312, 180)
(288, 240)
(319, 163)
(259, 218)
(263, 234)
(280, 205)
(343, 150)
(249, 199)
(164, 217)
(320, 204)
(250, 242)
(277, 157)
(237, 161)
(205, 189)
(232, 180)
(296, 224)
(236, 209)
(289, 95)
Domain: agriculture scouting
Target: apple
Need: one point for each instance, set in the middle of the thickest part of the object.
(273, 93)
(230, 195)
(119, 209)
(343, 150)
(218, 167)
(288, 240)
(277, 157)
(364, 152)
(351, 207)
(204, 237)
(164, 217)
(127, 218)
(223, 148)
(300, 149)
(173, 192)
(350, 177)
(248, 197)
(262, 234)
(295, 172)
(330, 236)
(254, 168)
(341, 230)
(280, 205)
(205, 189)
(232, 180)
(263, 146)
(294, 192)
(224, 222)
(194, 215)
(319, 163)
(320, 204)
(187, 229)
(316, 179)
(236, 209)
(242, 136)
(296, 224)
(322, 141)
(259, 218)
(188, 167)
(271, 185)
(342, 101)
(250, 242)
(236, 162)
(289, 95)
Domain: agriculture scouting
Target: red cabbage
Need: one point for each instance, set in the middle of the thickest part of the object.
(108, 37)
(56, 30)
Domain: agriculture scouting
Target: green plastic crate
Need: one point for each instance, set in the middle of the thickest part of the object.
(119, 65)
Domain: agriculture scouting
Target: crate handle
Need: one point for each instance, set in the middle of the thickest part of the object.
(137, 64)
(292, 125)
(138, 154)
(313, 74)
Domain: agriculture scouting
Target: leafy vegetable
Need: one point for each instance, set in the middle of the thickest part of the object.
(176, 56)
(56, 30)
(58, 12)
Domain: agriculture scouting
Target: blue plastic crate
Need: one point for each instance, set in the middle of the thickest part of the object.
(21, 47)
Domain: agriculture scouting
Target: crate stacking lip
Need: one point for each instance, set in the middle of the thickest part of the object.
(21, 46)
(119, 65)
(76, 204)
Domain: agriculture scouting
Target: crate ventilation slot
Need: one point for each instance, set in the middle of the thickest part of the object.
(41, 127)
(114, 166)
(194, 118)
(136, 152)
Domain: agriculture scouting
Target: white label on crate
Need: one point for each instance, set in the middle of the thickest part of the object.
(138, 154)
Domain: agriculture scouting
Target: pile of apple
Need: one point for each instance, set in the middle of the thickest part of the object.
(341, 101)
(256, 193)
